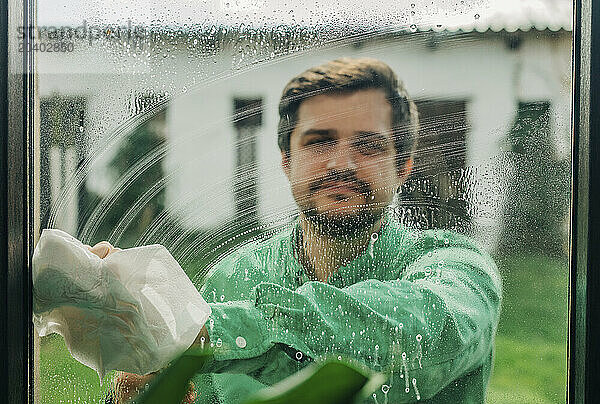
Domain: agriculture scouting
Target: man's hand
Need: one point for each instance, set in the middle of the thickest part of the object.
(103, 249)
(128, 385)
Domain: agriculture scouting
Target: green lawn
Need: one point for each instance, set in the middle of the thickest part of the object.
(530, 364)
(63, 379)
(531, 348)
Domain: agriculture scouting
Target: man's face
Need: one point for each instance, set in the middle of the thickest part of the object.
(342, 162)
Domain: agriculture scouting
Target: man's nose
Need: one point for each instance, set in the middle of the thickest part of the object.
(341, 158)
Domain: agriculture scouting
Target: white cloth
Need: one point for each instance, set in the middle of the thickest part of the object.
(134, 310)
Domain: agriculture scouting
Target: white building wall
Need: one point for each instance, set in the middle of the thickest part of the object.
(201, 160)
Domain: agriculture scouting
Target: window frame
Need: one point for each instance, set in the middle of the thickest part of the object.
(16, 203)
(18, 228)
(584, 328)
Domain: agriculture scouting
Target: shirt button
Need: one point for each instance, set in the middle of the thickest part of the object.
(240, 342)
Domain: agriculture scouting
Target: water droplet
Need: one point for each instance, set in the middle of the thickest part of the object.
(299, 355)
(404, 372)
(413, 27)
(240, 342)
(372, 243)
(419, 350)
(414, 383)
(219, 342)
(477, 16)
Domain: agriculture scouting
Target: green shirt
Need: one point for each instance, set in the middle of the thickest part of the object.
(423, 305)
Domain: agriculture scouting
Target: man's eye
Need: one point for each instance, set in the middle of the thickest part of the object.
(370, 148)
(319, 142)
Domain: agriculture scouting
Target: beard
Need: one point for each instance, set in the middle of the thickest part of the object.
(344, 227)
(338, 224)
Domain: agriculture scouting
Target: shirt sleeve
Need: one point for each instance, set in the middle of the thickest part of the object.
(431, 325)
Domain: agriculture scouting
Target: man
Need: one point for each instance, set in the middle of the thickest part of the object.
(346, 278)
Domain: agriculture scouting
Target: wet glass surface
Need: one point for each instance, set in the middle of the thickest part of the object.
(158, 124)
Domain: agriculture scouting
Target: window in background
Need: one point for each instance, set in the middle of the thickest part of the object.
(63, 148)
(247, 120)
(437, 191)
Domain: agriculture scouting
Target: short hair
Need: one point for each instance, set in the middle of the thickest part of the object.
(348, 75)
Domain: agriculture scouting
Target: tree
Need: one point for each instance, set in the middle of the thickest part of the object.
(139, 144)
(537, 198)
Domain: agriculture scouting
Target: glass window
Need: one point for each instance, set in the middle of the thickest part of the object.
(159, 124)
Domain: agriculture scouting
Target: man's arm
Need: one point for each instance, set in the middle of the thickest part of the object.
(433, 324)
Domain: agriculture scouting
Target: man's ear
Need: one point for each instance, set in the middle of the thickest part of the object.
(285, 163)
(406, 170)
